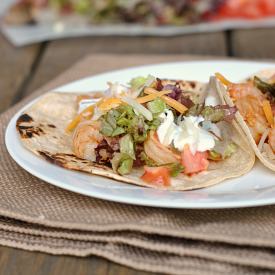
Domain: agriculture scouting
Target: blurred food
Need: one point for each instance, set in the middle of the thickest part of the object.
(157, 12)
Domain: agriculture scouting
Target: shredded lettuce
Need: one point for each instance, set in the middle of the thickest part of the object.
(230, 149)
(125, 110)
(222, 150)
(127, 146)
(175, 169)
(154, 124)
(140, 82)
(122, 163)
(264, 87)
(125, 166)
(139, 129)
(213, 155)
(156, 106)
(111, 119)
(118, 131)
(110, 130)
(123, 120)
(139, 108)
(106, 128)
(213, 115)
(137, 82)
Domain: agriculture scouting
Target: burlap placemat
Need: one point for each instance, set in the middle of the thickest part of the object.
(38, 216)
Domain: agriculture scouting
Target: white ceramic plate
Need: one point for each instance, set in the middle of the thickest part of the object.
(254, 189)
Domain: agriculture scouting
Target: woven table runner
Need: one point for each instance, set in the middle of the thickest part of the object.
(37, 216)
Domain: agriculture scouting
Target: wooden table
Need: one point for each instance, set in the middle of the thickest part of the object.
(23, 70)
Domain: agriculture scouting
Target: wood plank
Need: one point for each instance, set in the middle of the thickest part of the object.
(16, 65)
(61, 54)
(116, 269)
(20, 262)
(256, 43)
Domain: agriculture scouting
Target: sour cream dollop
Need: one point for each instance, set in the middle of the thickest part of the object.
(188, 132)
(167, 129)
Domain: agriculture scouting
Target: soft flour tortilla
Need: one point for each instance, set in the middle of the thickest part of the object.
(42, 130)
(269, 163)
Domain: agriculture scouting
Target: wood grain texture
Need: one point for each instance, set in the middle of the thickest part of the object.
(258, 43)
(19, 262)
(61, 54)
(16, 66)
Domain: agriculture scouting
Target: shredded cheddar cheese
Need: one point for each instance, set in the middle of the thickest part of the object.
(86, 113)
(223, 80)
(151, 97)
(268, 112)
(109, 103)
(170, 101)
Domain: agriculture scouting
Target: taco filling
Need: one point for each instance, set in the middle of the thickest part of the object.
(161, 126)
(255, 100)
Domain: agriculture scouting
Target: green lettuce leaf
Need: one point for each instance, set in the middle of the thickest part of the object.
(154, 124)
(213, 155)
(122, 163)
(137, 82)
(118, 131)
(125, 166)
(156, 106)
(175, 169)
(222, 150)
(213, 115)
(138, 128)
(230, 149)
(106, 128)
(264, 87)
(127, 146)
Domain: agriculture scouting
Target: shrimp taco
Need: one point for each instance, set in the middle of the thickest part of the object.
(167, 134)
(255, 100)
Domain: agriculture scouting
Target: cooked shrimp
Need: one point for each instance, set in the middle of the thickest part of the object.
(86, 138)
(158, 152)
(272, 79)
(248, 100)
(271, 139)
(241, 90)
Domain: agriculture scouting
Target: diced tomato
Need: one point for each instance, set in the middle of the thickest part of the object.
(250, 9)
(158, 176)
(193, 163)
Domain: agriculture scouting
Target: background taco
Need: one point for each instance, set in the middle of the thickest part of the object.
(255, 100)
